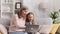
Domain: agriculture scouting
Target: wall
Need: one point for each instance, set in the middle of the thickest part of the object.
(57, 4)
(33, 7)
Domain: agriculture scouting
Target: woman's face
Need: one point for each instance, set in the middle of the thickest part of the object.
(31, 17)
(24, 12)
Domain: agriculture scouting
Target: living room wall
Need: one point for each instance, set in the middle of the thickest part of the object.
(33, 7)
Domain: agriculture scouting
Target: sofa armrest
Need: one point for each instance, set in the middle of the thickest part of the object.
(54, 29)
(3, 29)
(45, 29)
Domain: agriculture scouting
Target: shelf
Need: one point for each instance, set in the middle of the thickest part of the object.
(7, 8)
(7, 1)
(6, 15)
(9, 15)
(7, 12)
(7, 4)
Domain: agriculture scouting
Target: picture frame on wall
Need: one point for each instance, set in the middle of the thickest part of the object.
(18, 5)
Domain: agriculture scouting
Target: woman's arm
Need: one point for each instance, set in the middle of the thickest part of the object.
(15, 23)
(12, 24)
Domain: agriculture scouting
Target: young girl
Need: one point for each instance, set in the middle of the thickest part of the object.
(30, 20)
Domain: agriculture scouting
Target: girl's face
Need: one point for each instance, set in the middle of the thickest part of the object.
(31, 17)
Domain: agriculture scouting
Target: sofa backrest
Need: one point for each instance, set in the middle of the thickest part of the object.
(5, 22)
(45, 21)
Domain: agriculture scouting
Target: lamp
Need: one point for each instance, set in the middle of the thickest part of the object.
(42, 7)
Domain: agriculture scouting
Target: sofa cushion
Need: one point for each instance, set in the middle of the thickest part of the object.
(54, 29)
(45, 21)
(45, 29)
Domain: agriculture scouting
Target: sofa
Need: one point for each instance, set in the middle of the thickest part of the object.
(46, 25)
(5, 22)
(3, 29)
(45, 21)
(55, 29)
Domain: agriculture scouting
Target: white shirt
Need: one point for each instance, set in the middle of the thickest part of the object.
(16, 24)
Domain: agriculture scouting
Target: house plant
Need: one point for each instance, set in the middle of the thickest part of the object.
(54, 15)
